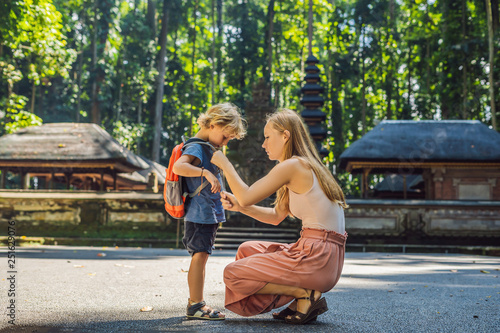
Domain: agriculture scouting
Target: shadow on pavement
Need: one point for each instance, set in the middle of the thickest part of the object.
(179, 324)
(106, 253)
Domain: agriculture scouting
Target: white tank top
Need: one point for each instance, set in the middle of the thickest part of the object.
(315, 209)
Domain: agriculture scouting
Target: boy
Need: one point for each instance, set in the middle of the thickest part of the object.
(204, 212)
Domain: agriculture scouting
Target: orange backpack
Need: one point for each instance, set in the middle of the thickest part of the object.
(174, 191)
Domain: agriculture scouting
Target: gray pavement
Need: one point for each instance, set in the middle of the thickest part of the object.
(78, 289)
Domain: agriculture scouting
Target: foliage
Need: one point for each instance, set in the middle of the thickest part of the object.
(32, 50)
(379, 59)
(128, 134)
(13, 117)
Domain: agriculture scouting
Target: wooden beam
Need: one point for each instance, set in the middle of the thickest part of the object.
(359, 165)
(405, 194)
(51, 181)
(57, 164)
(102, 182)
(3, 178)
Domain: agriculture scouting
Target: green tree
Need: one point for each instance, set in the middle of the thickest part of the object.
(33, 50)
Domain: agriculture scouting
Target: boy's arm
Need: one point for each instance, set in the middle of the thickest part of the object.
(184, 167)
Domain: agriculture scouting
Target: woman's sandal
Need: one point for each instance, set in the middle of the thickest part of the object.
(317, 307)
(283, 314)
(195, 311)
(287, 312)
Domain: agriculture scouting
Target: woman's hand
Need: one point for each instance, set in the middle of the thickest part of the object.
(219, 159)
(229, 202)
(212, 180)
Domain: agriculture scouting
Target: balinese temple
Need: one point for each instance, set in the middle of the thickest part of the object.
(313, 102)
(76, 156)
(429, 160)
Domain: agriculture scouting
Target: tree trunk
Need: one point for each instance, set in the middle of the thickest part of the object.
(120, 78)
(465, 89)
(100, 37)
(151, 16)
(214, 41)
(79, 85)
(94, 115)
(220, 32)
(495, 15)
(491, 53)
(310, 26)
(336, 114)
(40, 98)
(33, 96)
(427, 56)
(389, 78)
(160, 83)
(193, 61)
(139, 121)
(363, 82)
(269, 42)
(407, 107)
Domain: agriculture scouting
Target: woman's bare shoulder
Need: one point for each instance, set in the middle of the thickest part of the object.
(302, 178)
(290, 168)
(299, 162)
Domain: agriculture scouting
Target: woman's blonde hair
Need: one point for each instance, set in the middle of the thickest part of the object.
(226, 115)
(301, 145)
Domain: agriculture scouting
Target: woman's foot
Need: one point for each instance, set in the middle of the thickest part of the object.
(290, 310)
(304, 302)
(308, 308)
(202, 311)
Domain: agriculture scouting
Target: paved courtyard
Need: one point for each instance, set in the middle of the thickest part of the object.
(99, 289)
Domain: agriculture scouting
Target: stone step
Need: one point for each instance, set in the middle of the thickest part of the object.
(270, 229)
(256, 234)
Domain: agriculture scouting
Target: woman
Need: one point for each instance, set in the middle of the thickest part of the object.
(269, 275)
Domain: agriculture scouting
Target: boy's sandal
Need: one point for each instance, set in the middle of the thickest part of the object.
(195, 311)
(317, 307)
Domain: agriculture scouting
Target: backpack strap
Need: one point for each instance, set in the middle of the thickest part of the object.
(198, 141)
(193, 141)
(198, 190)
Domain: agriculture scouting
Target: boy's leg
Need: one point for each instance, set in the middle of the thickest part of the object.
(196, 276)
(198, 240)
(196, 281)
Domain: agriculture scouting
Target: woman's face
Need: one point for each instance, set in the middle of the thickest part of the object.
(274, 142)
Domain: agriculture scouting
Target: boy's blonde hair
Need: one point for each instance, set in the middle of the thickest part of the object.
(302, 146)
(226, 115)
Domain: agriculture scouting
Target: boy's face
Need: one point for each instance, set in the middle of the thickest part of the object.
(219, 136)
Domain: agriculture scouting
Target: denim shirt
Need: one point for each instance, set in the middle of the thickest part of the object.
(206, 207)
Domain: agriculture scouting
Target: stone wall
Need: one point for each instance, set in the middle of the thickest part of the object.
(35, 208)
(424, 221)
(367, 221)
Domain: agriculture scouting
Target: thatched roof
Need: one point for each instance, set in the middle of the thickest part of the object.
(142, 176)
(396, 144)
(69, 147)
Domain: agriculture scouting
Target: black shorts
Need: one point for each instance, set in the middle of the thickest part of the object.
(199, 237)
